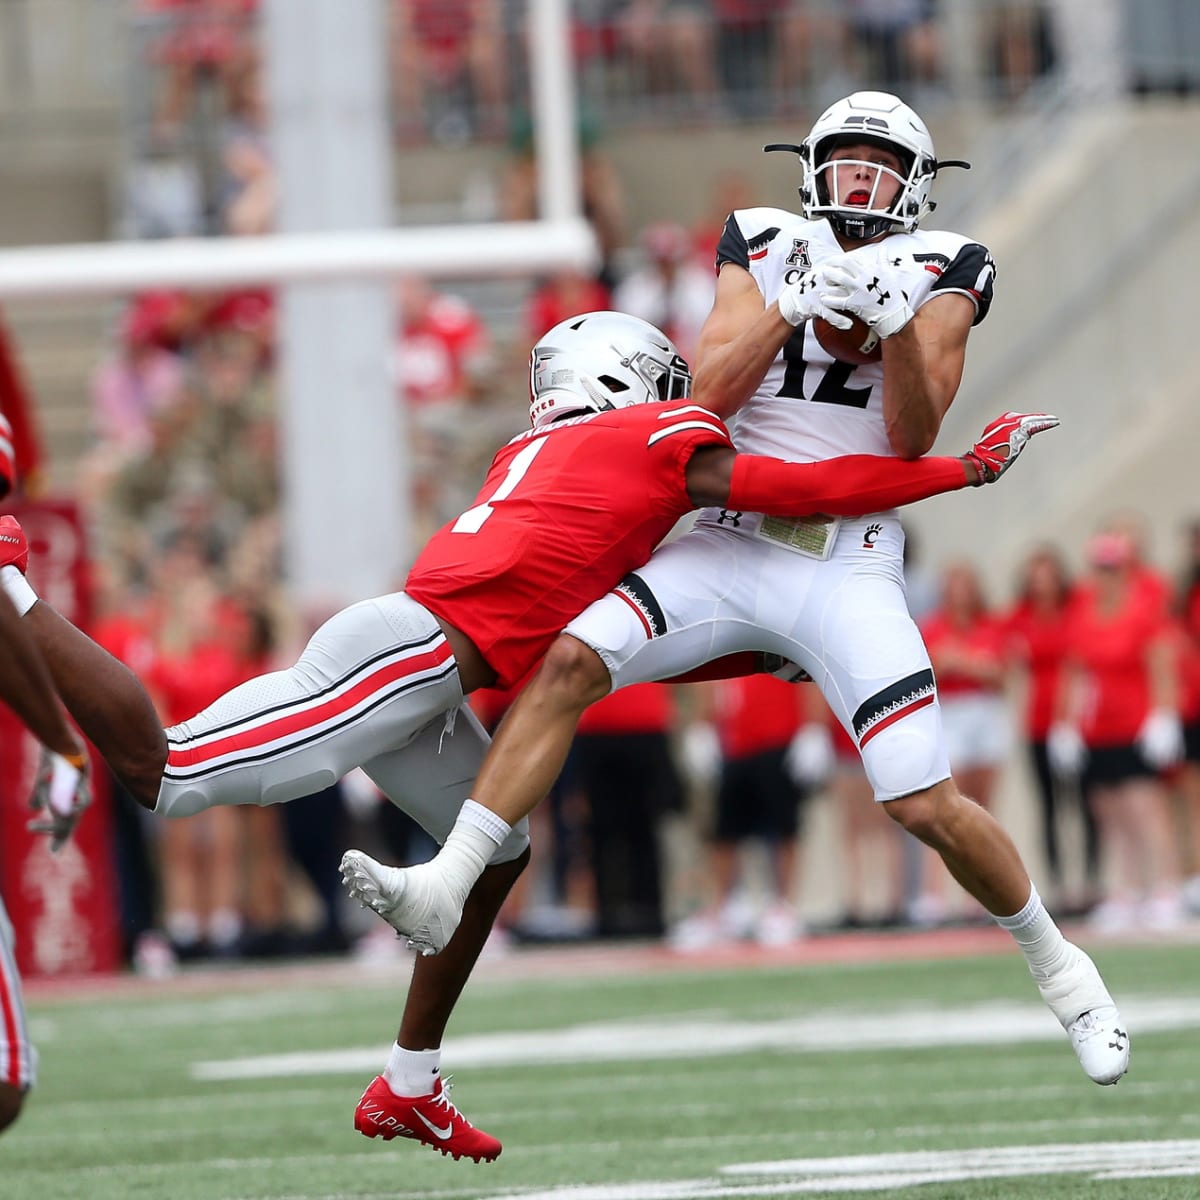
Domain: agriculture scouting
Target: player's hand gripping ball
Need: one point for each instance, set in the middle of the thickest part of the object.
(857, 345)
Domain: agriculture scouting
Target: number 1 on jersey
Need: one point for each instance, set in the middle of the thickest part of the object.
(472, 520)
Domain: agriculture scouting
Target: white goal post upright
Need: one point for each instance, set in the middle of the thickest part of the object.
(560, 238)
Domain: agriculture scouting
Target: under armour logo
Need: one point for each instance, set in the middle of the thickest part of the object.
(876, 288)
(895, 262)
(734, 518)
(871, 536)
(806, 283)
(1121, 1037)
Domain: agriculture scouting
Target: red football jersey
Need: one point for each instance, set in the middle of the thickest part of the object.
(564, 514)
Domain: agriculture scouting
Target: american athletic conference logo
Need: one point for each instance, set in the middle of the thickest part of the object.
(799, 255)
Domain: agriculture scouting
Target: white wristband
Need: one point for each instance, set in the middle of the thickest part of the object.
(19, 589)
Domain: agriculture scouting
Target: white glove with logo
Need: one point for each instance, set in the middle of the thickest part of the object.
(820, 292)
(61, 792)
(1160, 738)
(700, 754)
(1066, 750)
(876, 296)
(808, 759)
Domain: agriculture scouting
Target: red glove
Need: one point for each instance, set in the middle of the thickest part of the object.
(1004, 439)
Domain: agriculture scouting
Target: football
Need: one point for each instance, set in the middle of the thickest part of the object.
(857, 345)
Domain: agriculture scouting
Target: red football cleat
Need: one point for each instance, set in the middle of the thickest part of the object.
(429, 1119)
(14, 547)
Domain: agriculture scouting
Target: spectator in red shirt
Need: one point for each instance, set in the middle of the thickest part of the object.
(966, 646)
(443, 345)
(754, 721)
(1037, 633)
(450, 48)
(1188, 610)
(201, 37)
(195, 662)
(443, 358)
(561, 295)
(1118, 720)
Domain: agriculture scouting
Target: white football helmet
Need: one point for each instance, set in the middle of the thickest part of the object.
(877, 118)
(599, 361)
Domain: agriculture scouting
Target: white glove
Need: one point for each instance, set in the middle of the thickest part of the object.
(700, 754)
(808, 759)
(1160, 738)
(821, 292)
(61, 791)
(877, 297)
(1066, 750)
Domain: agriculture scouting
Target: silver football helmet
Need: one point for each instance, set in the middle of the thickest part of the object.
(876, 118)
(599, 361)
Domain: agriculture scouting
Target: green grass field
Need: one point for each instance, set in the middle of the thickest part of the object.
(620, 1085)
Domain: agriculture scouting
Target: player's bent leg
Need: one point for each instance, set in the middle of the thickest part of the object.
(974, 846)
(370, 678)
(437, 982)
(425, 902)
(430, 779)
(981, 856)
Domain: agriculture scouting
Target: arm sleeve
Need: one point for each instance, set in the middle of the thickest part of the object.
(970, 272)
(851, 486)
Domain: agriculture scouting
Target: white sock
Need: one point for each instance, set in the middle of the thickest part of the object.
(1041, 941)
(469, 848)
(20, 590)
(412, 1072)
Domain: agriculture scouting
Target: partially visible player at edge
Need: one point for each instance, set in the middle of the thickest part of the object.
(615, 456)
(827, 596)
(61, 793)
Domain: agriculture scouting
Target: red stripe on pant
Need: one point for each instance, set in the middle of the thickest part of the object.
(892, 718)
(11, 1068)
(641, 616)
(297, 722)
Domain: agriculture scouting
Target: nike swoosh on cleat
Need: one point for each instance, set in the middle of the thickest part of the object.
(436, 1130)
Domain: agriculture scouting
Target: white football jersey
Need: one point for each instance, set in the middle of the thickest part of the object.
(811, 406)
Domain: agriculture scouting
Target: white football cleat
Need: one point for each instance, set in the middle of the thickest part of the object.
(412, 900)
(1078, 998)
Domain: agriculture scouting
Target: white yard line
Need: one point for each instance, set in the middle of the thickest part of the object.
(673, 1038)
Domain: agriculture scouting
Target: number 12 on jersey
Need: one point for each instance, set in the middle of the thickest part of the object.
(473, 519)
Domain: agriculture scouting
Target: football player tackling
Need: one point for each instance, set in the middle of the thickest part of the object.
(616, 454)
(824, 595)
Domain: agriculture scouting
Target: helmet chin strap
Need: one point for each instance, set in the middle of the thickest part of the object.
(861, 229)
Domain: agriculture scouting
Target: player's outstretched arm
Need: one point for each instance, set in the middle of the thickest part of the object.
(855, 484)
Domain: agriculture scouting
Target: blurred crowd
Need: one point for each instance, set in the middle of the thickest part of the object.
(459, 73)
